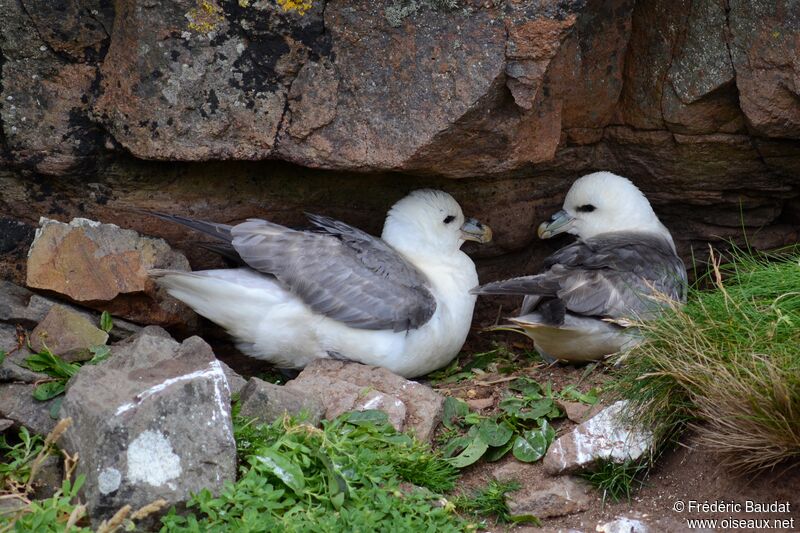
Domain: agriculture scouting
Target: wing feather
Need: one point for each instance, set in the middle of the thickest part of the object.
(340, 272)
(610, 275)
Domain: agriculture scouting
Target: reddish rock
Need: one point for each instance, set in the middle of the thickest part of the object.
(342, 387)
(105, 267)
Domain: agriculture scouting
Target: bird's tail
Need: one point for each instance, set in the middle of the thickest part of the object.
(538, 284)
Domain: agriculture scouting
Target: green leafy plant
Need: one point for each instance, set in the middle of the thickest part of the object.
(357, 473)
(59, 370)
(491, 501)
(56, 514)
(617, 480)
(522, 426)
(17, 458)
(499, 359)
(106, 324)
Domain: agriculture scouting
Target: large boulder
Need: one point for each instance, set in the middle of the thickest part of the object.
(151, 422)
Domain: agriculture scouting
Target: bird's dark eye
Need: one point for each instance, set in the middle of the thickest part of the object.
(448, 219)
(587, 208)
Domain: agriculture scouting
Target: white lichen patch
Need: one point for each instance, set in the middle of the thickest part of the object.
(109, 480)
(151, 459)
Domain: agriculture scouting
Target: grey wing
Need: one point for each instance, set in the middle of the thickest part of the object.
(615, 276)
(365, 284)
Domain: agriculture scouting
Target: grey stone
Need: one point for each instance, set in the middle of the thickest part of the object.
(152, 421)
(267, 402)
(235, 382)
(342, 387)
(18, 404)
(542, 499)
(49, 476)
(19, 305)
(67, 334)
(5, 423)
(605, 436)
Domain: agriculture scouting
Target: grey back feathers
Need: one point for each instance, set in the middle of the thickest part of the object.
(612, 275)
(339, 271)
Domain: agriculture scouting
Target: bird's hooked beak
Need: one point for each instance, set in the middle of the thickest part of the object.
(558, 223)
(473, 230)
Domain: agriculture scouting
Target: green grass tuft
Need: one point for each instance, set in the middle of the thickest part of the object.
(491, 501)
(727, 364)
(617, 480)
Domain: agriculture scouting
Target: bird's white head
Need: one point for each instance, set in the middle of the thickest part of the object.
(603, 202)
(431, 220)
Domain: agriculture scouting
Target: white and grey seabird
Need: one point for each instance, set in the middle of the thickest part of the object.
(401, 302)
(623, 268)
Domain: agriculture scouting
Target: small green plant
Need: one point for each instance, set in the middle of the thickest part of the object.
(617, 480)
(499, 359)
(17, 458)
(106, 324)
(357, 473)
(522, 426)
(59, 370)
(491, 501)
(56, 514)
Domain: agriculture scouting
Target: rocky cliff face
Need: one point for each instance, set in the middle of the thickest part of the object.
(176, 105)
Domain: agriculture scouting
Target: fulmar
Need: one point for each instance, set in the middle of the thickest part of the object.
(401, 302)
(622, 268)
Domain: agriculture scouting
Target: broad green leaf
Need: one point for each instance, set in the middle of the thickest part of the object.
(471, 453)
(495, 454)
(48, 390)
(454, 410)
(530, 446)
(571, 393)
(101, 352)
(55, 407)
(494, 433)
(106, 324)
(527, 386)
(526, 519)
(536, 409)
(548, 431)
(368, 417)
(283, 468)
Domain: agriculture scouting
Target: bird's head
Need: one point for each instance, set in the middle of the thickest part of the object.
(603, 202)
(432, 220)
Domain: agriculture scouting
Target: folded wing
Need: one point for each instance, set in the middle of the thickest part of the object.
(613, 275)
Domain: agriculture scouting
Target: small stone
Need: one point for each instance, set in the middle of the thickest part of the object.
(5, 424)
(558, 497)
(49, 477)
(341, 387)
(267, 402)
(602, 437)
(576, 411)
(235, 382)
(18, 404)
(479, 404)
(67, 334)
(623, 525)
